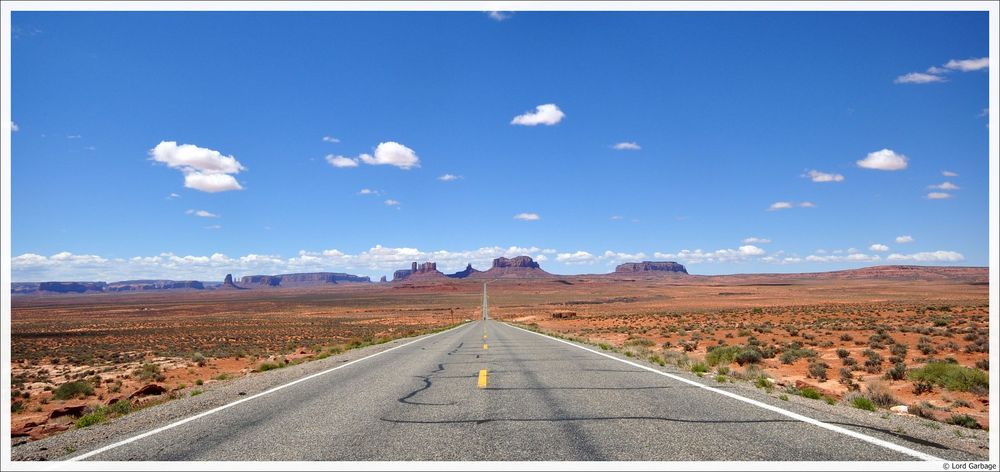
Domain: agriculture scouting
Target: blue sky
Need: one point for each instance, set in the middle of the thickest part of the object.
(730, 112)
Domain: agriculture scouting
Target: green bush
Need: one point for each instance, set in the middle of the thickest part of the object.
(97, 416)
(73, 389)
(964, 421)
(266, 366)
(699, 368)
(862, 403)
(952, 377)
(810, 393)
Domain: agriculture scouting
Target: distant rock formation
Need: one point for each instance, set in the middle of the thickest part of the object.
(516, 267)
(306, 279)
(228, 284)
(145, 285)
(425, 270)
(382, 280)
(71, 287)
(648, 266)
(464, 273)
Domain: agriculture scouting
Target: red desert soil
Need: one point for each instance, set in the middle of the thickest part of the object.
(113, 341)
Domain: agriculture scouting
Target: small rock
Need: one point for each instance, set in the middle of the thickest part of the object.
(900, 409)
(75, 411)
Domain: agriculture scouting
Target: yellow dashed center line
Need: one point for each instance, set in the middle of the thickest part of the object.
(482, 378)
(486, 346)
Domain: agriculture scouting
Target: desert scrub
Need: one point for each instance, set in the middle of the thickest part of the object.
(149, 372)
(78, 388)
(266, 366)
(699, 368)
(964, 421)
(859, 401)
(952, 377)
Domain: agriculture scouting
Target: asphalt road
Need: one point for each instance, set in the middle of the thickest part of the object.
(543, 400)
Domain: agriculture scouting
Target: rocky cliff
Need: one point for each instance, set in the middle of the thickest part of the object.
(515, 267)
(422, 271)
(259, 281)
(71, 287)
(648, 266)
(145, 285)
(228, 284)
(464, 273)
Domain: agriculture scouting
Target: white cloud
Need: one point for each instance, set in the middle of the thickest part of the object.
(547, 114)
(854, 257)
(779, 206)
(213, 227)
(202, 213)
(204, 169)
(173, 196)
(751, 250)
(341, 161)
(614, 258)
(818, 176)
(967, 65)
(948, 173)
(73, 136)
(886, 159)
(919, 78)
(578, 257)
(878, 247)
(904, 239)
(527, 217)
(449, 177)
(627, 146)
(330, 139)
(391, 202)
(755, 240)
(13, 127)
(935, 256)
(500, 15)
(368, 191)
(807, 205)
(945, 186)
(617, 217)
(211, 183)
(393, 154)
(938, 195)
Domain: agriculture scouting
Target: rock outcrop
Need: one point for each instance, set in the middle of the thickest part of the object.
(464, 273)
(422, 271)
(648, 266)
(71, 287)
(145, 285)
(228, 284)
(515, 267)
(306, 279)
(382, 280)
(248, 281)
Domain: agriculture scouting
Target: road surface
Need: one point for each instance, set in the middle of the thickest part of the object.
(539, 399)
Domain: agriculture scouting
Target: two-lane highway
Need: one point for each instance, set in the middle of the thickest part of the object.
(541, 399)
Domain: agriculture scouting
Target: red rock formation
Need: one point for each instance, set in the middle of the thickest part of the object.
(425, 270)
(149, 389)
(516, 267)
(464, 273)
(647, 266)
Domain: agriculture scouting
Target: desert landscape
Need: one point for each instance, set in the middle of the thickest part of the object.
(903, 339)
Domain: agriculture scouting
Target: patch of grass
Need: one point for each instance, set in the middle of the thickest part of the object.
(810, 393)
(78, 388)
(99, 415)
(149, 372)
(964, 421)
(196, 392)
(783, 397)
(266, 366)
(199, 382)
(223, 376)
(763, 383)
(604, 346)
(699, 368)
(952, 377)
(720, 378)
(860, 402)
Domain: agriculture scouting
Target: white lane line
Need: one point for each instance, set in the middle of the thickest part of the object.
(802, 418)
(237, 402)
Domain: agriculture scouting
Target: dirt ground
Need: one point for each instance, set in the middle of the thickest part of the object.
(119, 343)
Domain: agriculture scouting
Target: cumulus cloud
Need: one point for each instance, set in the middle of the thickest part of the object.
(938, 195)
(368, 191)
(935, 256)
(393, 154)
(807, 205)
(173, 196)
(391, 202)
(919, 78)
(878, 247)
(500, 15)
(780, 206)
(945, 186)
(967, 65)
(341, 161)
(818, 176)
(904, 239)
(547, 114)
(627, 146)
(755, 240)
(886, 159)
(449, 177)
(698, 256)
(204, 169)
(750, 250)
(834, 258)
(330, 139)
(202, 213)
(578, 257)
(527, 217)
(948, 173)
